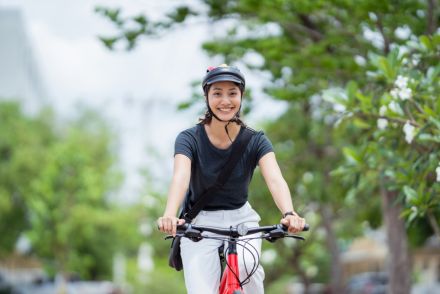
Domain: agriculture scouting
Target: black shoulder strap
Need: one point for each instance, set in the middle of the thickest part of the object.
(238, 148)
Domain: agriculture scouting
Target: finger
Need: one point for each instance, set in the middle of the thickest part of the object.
(303, 223)
(181, 221)
(174, 227)
(167, 226)
(294, 225)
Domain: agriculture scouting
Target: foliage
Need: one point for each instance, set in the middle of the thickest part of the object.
(54, 184)
(396, 117)
(304, 47)
(23, 143)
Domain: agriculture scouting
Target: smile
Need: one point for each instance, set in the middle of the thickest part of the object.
(225, 109)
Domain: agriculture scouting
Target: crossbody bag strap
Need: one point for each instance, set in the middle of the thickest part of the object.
(236, 153)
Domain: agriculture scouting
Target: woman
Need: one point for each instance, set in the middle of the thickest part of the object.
(200, 153)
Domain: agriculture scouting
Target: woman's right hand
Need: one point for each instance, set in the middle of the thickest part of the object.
(168, 224)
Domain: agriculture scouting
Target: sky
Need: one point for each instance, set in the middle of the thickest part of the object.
(136, 91)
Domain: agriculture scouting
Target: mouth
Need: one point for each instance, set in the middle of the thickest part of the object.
(225, 109)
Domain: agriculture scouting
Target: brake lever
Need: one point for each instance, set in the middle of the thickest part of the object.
(295, 237)
(272, 237)
(171, 237)
(269, 238)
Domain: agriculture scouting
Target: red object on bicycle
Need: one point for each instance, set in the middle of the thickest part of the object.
(230, 279)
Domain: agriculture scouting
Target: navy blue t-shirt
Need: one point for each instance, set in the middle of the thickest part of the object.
(207, 161)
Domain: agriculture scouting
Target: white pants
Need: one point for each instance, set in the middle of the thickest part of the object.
(201, 263)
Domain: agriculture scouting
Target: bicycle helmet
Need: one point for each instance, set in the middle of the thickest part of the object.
(223, 73)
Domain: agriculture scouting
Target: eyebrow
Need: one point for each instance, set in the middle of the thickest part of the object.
(234, 88)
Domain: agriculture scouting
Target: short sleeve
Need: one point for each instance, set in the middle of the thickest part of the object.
(263, 145)
(184, 145)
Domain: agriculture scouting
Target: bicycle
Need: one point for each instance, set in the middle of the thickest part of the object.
(230, 280)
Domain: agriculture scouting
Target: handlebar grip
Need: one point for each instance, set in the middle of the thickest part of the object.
(306, 227)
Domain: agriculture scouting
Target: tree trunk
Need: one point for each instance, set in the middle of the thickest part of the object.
(336, 267)
(399, 262)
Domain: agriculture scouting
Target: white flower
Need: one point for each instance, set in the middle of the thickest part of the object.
(382, 123)
(403, 33)
(401, 93)
(395, 107)
(394, 93)
(401, 82)
(405, 93)
(437, 170)
(409, 129)
(383, 110)
(415, 59)
(360, 60)
(339, 107)
(401, 90)
(372, 16)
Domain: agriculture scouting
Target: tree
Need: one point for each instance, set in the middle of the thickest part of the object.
(307, 47)
(398, 141)
(23, 143)
(54, 186)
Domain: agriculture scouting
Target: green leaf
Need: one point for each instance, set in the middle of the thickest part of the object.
(429, 138)
(386, 69)
(361, 124)
(413, 215)
(428, 110)
(410, 193)
(435, 121)
(351, 155)
(426, 42)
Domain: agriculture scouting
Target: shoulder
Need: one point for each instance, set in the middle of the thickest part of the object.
(257, 136)
(259, 143)
(192, 132)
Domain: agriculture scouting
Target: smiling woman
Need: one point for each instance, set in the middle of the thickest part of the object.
(202, 154)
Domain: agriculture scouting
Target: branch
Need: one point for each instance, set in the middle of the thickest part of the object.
(408, 112)
(431, 20)
(392, 119)
(311, 28)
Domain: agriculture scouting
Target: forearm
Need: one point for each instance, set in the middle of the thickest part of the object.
(176, 196)
(179, 184)
(281, 195)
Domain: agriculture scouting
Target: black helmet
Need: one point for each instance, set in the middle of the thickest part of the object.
(223, 73)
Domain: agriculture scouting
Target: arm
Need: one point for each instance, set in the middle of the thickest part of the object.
(178, 187)
(280, 191)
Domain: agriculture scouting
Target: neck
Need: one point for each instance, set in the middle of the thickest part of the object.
(217, 129)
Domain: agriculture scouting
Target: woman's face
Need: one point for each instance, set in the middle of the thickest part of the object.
(224, 99)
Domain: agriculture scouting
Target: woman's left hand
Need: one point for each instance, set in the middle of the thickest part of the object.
(295, 223)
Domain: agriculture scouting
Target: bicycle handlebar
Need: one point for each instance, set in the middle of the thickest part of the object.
(271, 233)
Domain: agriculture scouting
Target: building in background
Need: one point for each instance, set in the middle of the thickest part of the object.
(20, 77)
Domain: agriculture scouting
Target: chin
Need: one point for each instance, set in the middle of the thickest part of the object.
(225, 118)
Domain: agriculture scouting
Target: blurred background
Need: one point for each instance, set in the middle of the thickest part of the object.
(93, 94)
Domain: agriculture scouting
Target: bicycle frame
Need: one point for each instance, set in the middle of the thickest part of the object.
(230, 279)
